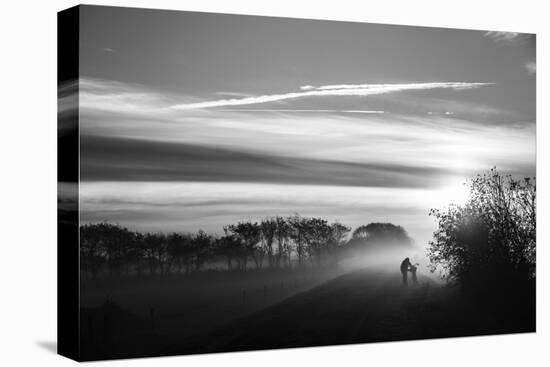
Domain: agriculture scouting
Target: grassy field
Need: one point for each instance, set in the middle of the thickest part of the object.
(122, 317)
(365, 306)
(368, 305)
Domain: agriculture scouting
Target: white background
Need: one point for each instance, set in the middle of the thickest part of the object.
(28, 196)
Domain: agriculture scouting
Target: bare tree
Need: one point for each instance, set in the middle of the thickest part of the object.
(282, 233)
(230, 247)
(149, 252)
(248, 233)
(339, 235)
(180, 251)
(317, 235)
(268, 228)
(202, 244)
(91, 250)
(298, 233)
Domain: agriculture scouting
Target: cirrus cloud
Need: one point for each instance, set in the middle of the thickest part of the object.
(331, 90)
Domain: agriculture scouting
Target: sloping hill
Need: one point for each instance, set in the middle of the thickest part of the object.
(363, 306)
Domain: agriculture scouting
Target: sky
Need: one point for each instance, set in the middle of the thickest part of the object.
(193, 120)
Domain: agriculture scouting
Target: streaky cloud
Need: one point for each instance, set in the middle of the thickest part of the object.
(233, 94)
(121, 159)
(398, 87)
(300, 110)
(331, 90)
(364, 111)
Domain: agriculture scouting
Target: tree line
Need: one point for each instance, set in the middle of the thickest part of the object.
(275, 242)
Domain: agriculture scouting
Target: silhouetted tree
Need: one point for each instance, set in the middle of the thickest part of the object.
(202, 245)
(109, 243)
(230, 247)
(382, 233)
(141, 261)
(248, 233)
(268, 228)
(298, 232)
(490, 239)
(339, 235)
(180, 251)
(148, 246)
(91, 249)
(323, 239)
(317, 236)
(157, 244)
(282, 233)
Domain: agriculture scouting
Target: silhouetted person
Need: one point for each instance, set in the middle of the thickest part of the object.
(405, 265)
(412, 269)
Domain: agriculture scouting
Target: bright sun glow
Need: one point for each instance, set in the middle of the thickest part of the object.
(457, 193)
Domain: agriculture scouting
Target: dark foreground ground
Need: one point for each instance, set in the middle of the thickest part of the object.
(360, 307)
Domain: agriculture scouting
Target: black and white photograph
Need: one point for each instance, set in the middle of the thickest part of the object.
(275, 183)
(253, 183)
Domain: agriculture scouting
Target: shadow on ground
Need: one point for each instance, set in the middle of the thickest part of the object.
(50, 346)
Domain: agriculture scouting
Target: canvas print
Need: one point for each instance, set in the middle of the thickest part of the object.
(235, 183)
